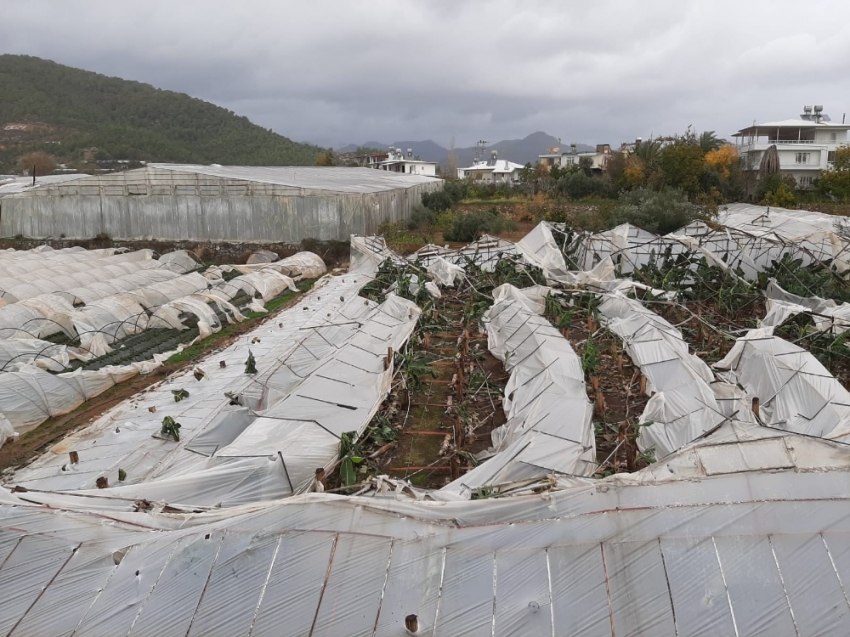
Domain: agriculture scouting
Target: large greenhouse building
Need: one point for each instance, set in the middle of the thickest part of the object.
(214, 203)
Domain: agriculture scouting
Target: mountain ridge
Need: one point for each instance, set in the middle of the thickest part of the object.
(81, 117)
(520, 151)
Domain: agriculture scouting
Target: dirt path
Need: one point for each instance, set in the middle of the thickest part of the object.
(454, 399)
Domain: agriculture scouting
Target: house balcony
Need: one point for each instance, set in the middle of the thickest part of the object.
(762, 144)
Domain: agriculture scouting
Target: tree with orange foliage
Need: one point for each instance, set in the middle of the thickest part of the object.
(723, 159)
(634, 172)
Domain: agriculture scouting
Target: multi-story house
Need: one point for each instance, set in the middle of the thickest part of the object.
(396, 161)
(494, 171)
(571, 157)
(805, 146)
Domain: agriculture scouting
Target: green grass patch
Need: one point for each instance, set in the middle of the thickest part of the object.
(201, 347)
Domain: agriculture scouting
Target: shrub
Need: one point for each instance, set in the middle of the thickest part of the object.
(659, 212)
(777, 190)
(456, 190)
(422, 218)
(445, 220)
(578, 185)
(471, 225)
(437, 201)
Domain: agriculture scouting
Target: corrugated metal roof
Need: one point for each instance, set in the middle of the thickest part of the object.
(333, 179)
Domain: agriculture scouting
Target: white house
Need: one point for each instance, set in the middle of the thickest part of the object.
(599, 157)
(494, 171)
(806, 146)
(398, 162)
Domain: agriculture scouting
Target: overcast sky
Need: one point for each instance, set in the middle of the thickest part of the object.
(334, 72)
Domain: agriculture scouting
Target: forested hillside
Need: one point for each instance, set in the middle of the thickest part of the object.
(81, 117)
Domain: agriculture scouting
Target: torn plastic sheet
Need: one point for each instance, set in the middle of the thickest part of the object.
(178, 261)
(795, 391)
(301, 265)
(744, 237)
(368, 253)
(827, 315)
(540, 249)
(548, 428)
(443, 272)
(563, 560)
(486, 252)
(44, 354)
(168, 316)
(266, 283)
(107, 320)
(682, 405)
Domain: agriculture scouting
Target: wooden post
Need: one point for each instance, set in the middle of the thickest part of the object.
(75, 457)
(600, 399)
(643, 384)
(102, 482)
(756, 407)
(388, 360)
(460, 434)
(411, 622)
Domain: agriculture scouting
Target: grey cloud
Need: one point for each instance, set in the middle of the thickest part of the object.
(335, 72)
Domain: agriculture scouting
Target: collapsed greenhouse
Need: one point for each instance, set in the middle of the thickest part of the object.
(603, 434)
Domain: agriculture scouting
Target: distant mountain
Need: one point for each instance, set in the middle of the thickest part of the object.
(520, 151)
(353, 147)
(79, 117)
(426, 150)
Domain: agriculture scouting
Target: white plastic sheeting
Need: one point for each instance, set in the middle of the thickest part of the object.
(682, 404)
(301, 265)
(827, 315)
(28, 395)
(548, 429)
(367, 254)
(486, 252)
(321, 372)
(664, 552)
(50, 356)
(274, 453)
(795, 391)
(178, 261)
(107, 320)
(540, 249)
(60, 275)
(444, 272)
(31, 395)
(749, 238)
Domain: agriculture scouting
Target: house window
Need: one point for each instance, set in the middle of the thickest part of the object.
(804, 158)
(569, 160)
(805, 182)
(830, 156)
(832, 137)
